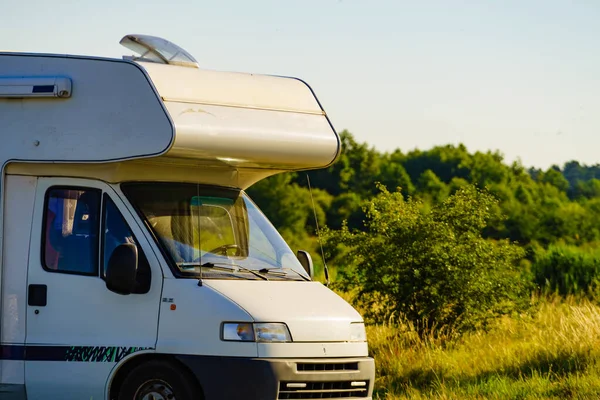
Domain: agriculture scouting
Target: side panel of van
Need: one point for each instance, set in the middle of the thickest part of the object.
(19, 194)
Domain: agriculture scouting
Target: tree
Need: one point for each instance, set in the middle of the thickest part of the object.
(446, 162)
(432, 267)
(588, 189)
(556, 179)
(354, 171)
(289, 206)
(431, 187)
(346, 207)
(394, 175)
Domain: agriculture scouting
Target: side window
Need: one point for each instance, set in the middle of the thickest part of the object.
(116, 232)
(71, 228)
(260, 247)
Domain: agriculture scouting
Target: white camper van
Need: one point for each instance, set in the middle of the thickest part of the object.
(133, 264)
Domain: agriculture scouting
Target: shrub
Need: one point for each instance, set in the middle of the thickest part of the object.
(432, 266)
(567, 269)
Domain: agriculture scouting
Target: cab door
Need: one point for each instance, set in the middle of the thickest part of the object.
(78, 330)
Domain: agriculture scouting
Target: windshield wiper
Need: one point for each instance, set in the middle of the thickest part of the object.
(223, 266)
(280, 273)
(233, 267)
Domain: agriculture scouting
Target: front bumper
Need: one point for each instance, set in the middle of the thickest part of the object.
(265, 379)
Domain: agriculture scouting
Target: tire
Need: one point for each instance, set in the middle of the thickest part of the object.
(162, 379)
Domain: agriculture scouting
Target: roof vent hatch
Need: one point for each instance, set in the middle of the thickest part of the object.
(156, 49)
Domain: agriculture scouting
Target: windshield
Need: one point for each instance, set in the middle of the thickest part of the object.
(217, 232)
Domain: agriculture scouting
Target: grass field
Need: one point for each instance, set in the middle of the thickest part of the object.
(554, 354)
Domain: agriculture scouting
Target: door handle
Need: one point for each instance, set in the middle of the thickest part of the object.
(38, 295)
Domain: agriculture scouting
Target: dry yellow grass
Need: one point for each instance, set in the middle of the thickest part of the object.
(554, 354)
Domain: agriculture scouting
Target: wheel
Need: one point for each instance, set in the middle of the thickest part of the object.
(223, 249)
(158, 380)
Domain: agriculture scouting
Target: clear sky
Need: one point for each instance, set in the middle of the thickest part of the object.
(520, 77)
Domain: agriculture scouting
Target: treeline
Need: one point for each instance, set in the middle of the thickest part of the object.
(535, 206)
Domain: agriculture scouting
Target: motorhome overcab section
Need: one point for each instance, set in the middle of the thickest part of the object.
(133, 264)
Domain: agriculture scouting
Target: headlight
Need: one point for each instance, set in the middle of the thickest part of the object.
(257, 332)
(272, 332)
(358, 332)
(243, 332)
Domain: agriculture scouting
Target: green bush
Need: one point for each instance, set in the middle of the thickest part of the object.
(430, 265)
(567, 269)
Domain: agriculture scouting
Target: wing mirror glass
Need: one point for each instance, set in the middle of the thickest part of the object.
(122, 269)
(306, 261)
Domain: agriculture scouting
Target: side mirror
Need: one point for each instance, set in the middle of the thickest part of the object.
(122, 269)
(306, 261)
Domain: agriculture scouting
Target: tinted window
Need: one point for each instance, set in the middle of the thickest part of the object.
(71, 230)
(117, 232)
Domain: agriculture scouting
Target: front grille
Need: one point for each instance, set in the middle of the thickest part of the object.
(323, 390)
(351, 366)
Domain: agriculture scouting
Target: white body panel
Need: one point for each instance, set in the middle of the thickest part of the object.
(156, 170)
(245, 120)
(193, 328)
(46, 380)
(112, 102)
(232, 89)
(312, 312)
(19, 202)
(20, 194)
(318, 319)
(263, 138)
(83, 315)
